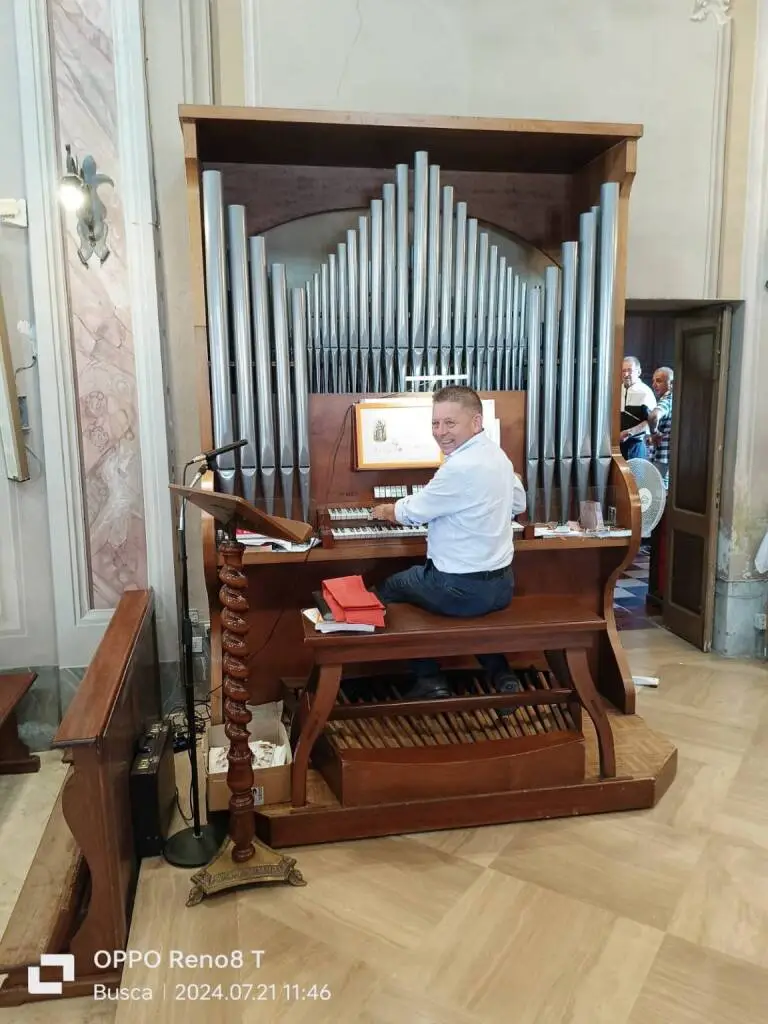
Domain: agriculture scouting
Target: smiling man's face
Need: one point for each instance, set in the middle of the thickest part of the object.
(453, 424)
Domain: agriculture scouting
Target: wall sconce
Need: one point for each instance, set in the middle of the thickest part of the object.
(78, 193)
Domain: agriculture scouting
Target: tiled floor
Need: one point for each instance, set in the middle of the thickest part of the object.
(629, 598)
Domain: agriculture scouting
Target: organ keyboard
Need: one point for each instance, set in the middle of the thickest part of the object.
(377, 531)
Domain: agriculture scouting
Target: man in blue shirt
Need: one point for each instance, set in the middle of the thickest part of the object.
(468, 508)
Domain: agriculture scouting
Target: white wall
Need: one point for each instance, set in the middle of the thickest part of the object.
(27, 634)
(629, 61)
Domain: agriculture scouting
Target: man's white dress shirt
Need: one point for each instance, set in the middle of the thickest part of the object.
(468, 507)
(637, 394)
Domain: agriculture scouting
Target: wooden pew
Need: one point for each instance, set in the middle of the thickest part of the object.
(78, 894)
(15, 758)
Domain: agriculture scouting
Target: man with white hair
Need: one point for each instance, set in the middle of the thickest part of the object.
(660, 420)
(636, 398)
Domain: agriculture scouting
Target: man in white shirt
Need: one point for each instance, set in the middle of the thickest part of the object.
(468, 508)
(635, 393)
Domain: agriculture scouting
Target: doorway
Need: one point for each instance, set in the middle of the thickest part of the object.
(671, 584)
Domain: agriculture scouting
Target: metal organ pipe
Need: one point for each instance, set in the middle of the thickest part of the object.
(446, 271)
(470, 300)
(459, 288)
(364, 328)
(333, 319)
(533, 330)
(606, 296)
(283, 379)
(354, 320)
(376, 291)
(325, 327)
(585, 310)
(241, 325)
(501, 325)
(490, 334)
(419, 271)
(549, 395)
(301, 394)
(214, 239)
(433, 269)
(401, 273)
(390, 252)
(481, 340)
(341, 257)
(565, 389)
(263, 365)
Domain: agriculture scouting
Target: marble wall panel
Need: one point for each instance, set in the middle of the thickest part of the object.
(81, 32)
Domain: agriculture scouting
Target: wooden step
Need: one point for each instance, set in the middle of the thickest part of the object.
(49, 902)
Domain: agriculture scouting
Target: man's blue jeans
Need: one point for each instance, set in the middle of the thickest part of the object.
(451, 594)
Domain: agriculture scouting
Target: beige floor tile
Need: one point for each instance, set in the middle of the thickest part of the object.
(743, 812)
(725, 905)
(698, 734)
(61, 1011)
(512, 951)
(375, 899)
(629, 865)
(690, 985)
(389, 1004)
(693, 800)
(479, 846)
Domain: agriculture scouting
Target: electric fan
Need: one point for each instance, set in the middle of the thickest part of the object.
(653, 494)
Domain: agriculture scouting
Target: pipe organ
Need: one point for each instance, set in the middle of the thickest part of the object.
(416, 297)
(420, 281)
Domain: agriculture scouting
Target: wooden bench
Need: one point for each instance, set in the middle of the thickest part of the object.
(558, 627)
(78, 894)
(15, 758)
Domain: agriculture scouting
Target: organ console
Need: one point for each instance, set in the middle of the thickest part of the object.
(483, 251)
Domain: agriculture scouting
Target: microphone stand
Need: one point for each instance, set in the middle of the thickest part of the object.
(194, 846)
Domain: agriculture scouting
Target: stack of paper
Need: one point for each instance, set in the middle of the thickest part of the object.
(264, 755)
(329, 626)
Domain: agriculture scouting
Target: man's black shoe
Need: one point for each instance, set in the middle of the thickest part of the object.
(429, 688)
(507, 682)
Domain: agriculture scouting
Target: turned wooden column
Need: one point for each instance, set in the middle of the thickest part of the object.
(234, 641)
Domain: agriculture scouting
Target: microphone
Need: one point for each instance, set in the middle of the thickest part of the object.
(215, 452)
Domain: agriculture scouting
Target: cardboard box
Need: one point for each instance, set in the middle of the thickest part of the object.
(270, 785)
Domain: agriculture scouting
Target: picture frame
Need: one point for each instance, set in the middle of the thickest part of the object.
(395, 433)
(11, 437)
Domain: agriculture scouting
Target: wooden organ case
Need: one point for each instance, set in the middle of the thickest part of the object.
(526, 180)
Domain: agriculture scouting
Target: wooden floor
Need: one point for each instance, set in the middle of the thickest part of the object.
(654, 917)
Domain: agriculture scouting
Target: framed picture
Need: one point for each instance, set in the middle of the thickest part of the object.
(11, 437)
(395, 433)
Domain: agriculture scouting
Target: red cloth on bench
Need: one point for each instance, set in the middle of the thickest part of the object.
(350, 601)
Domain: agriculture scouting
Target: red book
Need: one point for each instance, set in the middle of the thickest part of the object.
(350, 601)
(351, 592)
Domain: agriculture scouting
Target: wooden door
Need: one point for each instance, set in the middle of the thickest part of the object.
(701, 372)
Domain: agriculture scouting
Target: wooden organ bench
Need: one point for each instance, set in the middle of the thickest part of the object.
(78, 893)
(387, 773)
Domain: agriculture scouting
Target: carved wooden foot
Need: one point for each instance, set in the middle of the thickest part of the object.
(320, 708)
(577, 668)
(234, 642)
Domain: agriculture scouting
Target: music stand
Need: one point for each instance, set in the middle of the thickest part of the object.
(236, 864)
